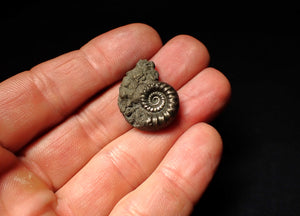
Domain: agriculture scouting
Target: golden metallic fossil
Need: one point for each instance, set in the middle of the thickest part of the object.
(145, 102)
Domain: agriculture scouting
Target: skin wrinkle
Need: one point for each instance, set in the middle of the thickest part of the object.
(14, 114)
(177, 180)
(95, 66)
(9, 101)
(116, 153)
(87, 124)
(42, 83)
(74, 67)
(93, 125)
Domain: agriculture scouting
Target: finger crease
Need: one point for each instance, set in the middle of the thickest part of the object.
(50, 95)
(129, 160)
(92, 127)
(95, 66)
(177, 180)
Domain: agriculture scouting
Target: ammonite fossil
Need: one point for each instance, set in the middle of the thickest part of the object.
(145, 102)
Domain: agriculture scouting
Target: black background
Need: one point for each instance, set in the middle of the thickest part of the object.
(259, 171)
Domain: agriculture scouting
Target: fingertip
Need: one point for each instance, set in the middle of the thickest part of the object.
(180, 59)
(151, 37)
(121, 47)
(222, 83)
(146, 30)
(136, 35)
(190, 47)
(204, 96)
(221, 91)
(207, 135)
(197, 48)
(201, 140)
(195, 157)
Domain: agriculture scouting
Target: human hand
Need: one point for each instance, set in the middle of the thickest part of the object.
(60, 157)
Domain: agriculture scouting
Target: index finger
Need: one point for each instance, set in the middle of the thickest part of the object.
(35, 100)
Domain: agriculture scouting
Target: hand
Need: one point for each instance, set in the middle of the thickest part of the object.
(66, 150)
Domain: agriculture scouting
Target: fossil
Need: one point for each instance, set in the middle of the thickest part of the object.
(145, 102)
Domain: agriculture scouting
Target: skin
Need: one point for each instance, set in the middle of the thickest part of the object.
(66, 150)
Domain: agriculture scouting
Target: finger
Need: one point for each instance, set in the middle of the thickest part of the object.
(34, 100)
(180, 179)
(72, 144)
(126, 162)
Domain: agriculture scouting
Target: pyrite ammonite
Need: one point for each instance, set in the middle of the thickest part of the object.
(145, 102)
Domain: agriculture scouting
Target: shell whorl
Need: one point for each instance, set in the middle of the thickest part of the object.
(145, 102)
(160, 100)
(154, 97)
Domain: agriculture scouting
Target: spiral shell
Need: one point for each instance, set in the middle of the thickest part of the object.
(145, 102)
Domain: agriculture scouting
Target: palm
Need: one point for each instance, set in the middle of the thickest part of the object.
(92, 162)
